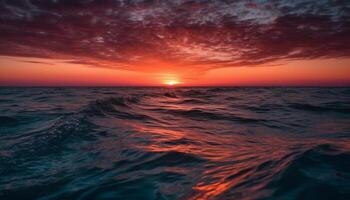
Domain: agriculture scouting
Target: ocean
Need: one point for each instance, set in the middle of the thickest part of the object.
(174, 143)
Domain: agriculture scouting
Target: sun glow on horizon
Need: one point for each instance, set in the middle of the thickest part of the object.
(39, 72)
(171, 82)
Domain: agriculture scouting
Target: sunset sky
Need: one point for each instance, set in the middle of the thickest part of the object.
(184, 42)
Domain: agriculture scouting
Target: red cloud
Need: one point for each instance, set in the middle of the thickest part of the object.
(135, 35)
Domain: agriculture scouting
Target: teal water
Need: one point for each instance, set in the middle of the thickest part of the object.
(175, 143)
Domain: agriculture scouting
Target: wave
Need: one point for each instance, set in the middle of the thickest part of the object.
(319, 172)
(203, 115)
(192, 101)
(7, 121)
(321, 168)
(178, 143)
(333, 107)
(170, 95)
(119, 107)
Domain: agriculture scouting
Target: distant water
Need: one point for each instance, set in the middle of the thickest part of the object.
(175, 143)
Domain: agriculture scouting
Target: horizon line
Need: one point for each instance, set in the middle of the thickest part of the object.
(166, 86)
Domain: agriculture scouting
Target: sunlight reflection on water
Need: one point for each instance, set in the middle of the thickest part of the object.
(184, 143)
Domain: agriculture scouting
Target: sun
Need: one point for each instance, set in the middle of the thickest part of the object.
(171, 82)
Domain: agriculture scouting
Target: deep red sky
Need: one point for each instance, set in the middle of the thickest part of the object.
(190, 42)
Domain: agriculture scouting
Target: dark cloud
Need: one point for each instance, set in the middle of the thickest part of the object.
(36, 62)
(206, 34)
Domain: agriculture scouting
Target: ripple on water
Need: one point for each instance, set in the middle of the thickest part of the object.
(176, 143)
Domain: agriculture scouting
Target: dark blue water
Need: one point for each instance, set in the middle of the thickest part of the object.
(175, 143)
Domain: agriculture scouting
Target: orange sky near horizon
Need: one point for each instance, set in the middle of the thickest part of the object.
(17, 71)
(183, 42)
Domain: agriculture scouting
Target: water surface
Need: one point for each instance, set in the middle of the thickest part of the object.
(175, 143)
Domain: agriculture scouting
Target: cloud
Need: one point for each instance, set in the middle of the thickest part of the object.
(201, 34)
(36, 62)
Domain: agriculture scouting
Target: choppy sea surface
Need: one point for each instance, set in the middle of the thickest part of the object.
(175, 143)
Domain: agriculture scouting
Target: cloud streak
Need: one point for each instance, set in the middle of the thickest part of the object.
(200, 34)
